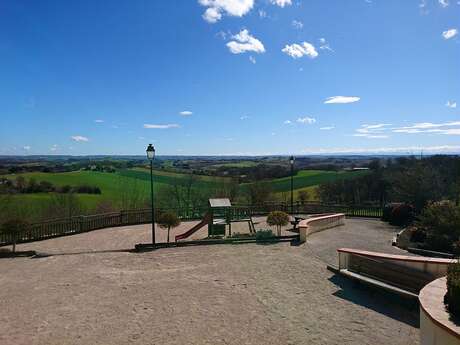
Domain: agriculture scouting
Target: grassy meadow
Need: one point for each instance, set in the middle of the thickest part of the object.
(114, 186)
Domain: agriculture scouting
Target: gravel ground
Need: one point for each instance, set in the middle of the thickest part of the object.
(223, 294)
(357, 233)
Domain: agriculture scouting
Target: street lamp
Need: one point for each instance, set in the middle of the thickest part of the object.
(151, 155)
(291, 160)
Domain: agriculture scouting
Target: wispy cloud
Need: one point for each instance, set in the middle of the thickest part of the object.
(26, 148)
(383, 150)
(324, 45)
(287, 122)
(297, 51)
(448, 34)
(244, 117)
(281, 3)
(341, 99)
(297, 24)
(54, 148)
(170, 125)
(252, 59)
(451, 104)
(306, 120)
(244, 42)
(186, 113)
(446, 128)
(99, 121)
(372, 131)
(326, 128)
(443, 3)
(216, 8)
(79, 138)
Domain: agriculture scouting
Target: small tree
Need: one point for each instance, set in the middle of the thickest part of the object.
(14, 227)
(168, 220)
(278, 219)
(303, 196)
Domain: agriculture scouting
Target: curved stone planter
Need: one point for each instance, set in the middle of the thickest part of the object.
(436, 327)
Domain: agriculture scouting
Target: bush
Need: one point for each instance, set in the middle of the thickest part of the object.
(417, 235)
(264, 234)
(441, 223)
(452, 297)
(398, 214)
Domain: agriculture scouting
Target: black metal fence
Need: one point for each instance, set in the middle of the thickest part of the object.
(80, 224)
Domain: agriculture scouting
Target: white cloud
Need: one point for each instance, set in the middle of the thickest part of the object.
(306, 120)
(186, 113)
(252, 59)
(449, 33)
(324, 45)
(372, 131)
(382, 150)
(298, 50)
(341, 99)
(287, 122)
(443, 3)
(26, 148)
(244, 117)
(54, 147)
(99, 121)
(79, 138)
(216, 8)
(451, 104)
(244, 42)
(371, 136)
(327, 128)
(281, 3)
(171, 125)
(297, 24)
(446, 128)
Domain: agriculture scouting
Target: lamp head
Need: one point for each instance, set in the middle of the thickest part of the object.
(150, 152)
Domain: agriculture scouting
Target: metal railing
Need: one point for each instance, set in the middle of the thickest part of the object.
(79, 224)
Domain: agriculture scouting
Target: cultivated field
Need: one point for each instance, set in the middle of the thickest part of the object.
(223, 294)
(115, 186)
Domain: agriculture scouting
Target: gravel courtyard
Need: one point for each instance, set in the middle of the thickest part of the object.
(223, 294)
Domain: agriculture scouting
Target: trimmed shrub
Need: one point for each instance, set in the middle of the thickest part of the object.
(264, 234)
(168, 220)
(278, 219)
(452, 297)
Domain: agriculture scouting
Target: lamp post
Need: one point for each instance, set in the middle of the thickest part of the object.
(291, 160)
(151, 155)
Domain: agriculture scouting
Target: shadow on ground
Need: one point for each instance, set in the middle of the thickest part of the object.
(380, 301)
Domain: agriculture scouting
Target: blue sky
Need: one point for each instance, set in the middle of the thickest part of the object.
(229, 77)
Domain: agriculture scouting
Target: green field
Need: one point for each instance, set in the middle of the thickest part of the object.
(115, 186)
(309, 178)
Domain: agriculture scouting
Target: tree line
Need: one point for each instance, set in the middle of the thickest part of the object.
(21, 185)
(403, 179)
